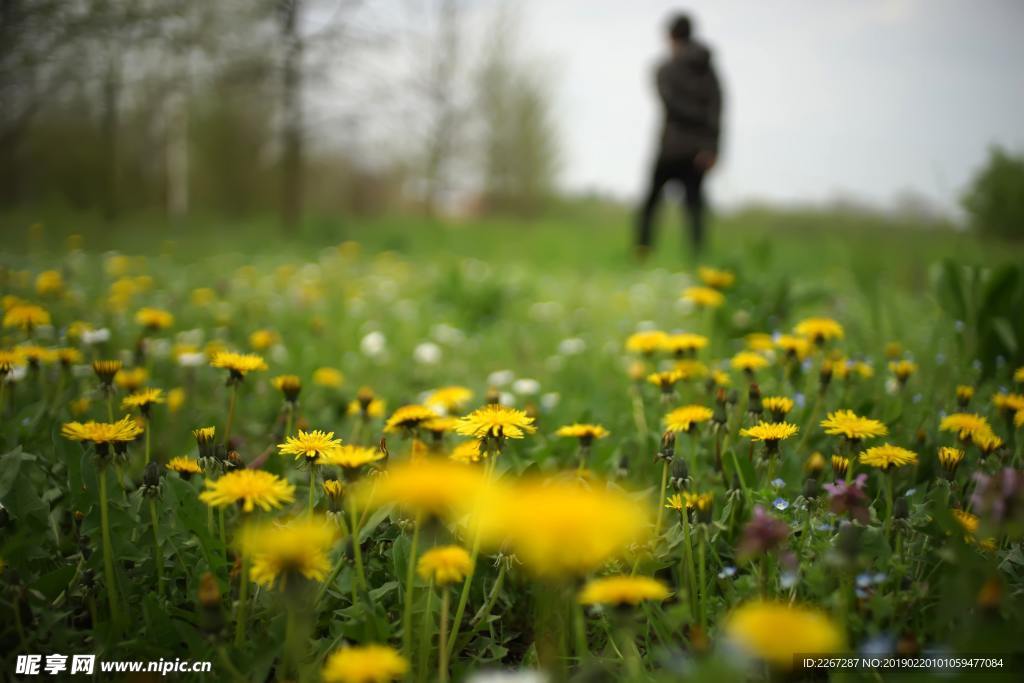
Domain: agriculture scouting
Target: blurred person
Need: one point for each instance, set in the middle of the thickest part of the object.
(692, 100)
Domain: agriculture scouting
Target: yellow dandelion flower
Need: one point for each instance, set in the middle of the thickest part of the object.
(312, 445)
(69, 356)
(468, 452)
(759, 341)
(10, 359)
(80, 406)
(238, 364)
(298, 547)
(175, 399)
(852, 426)
(720, 378)
(703, 297)
(561, 529)
(154, 318)
(950, 458)
(967, 426)
(251, 488)
(131, 379)
(408, 417)
(351, 457)
(840, 465)
(815, 463)
(778, 406)
(887, 456)
(714, 277)
(794, 346)
(970, 524)
(1018, 375)
(646, 342)
(26, 317)
(776, 631)
(689, 369)
(124, 430)
(1018, 419)
(333, 488)
(364, 664)
(700, 502)
(964, 394)
(1008, 402)
(450, 399)
(428, 486)
(49, 283)
(622, 590)
(683, 419)
(684, 343)
(37, 355)
(586, 433)
(444, 565)
(748, 361)
(903, 369)
(184, 465)
(819, 330)
(261, 340)
(142, 400)
(441, 425)
(770, 432)
(330, 378)
(496, 422)
(987, 442)
(288, 385)
(666, 379)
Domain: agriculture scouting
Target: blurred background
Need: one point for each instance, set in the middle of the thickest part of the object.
(169, 113)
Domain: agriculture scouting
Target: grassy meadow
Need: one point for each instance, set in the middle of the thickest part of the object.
(807, 442)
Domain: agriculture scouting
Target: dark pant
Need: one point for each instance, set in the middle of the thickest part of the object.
(691, 177)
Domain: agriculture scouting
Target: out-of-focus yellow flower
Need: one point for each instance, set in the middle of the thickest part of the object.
(819, 330)
(330, 378)
(794, 346)
(903, 369)
(759, 341)
(289, 386)
(203, 296)
(69, 356)
(175, 399)
(261, 340)
(887, 456)
(703, 297)
(444, 565)
(964, 394)
(451, 399)
(748, 362)
(689, 369)
(967, 426)
(154, 319)
(468, 452)
(646, 342)
(560, 529)
(622, 590)
(1005, 402)
(714, 277)
(778, 406)
(586, 433)
(142, 400)
(351, 457)
(80, 406)
(665, 380)
(970, 524)
(815, 463)
(950, 458)
(131, 379)
(251, 488)
(364, 664)
(429, 486)
(299, 547)
(776, 631)
(684, 343)
(26, 317)
(685, 418)
(408, 418)
(852, 426)
(37, 355)
(50, 283)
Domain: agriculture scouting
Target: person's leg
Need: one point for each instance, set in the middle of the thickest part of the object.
(693, 181)
(645, 219)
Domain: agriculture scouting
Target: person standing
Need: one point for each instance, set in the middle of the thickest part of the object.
(692, 102)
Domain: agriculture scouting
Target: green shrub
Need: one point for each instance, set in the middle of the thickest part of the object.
(995, 200)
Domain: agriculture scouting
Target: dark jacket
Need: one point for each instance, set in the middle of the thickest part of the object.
(692, 99)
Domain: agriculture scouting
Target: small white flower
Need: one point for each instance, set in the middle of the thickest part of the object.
(427, 353)
(446, 334)
(526, 676)
(526, 386)
(17, 374)
(97, 336)
(572, 346)
(191, 360)
(374, 344)
(549, 400)
(500, 378)
(506, 399)
(158, 348)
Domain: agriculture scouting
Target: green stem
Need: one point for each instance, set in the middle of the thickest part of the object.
(108, 559)
(702, 578)
(460, 610)
(243, 602)
(691, 574)
(147, 439)
(581, 630)
(425, 635)
(888, 503)
(661, 499)
(232, 397)
(158, 560)
(442, 656)
(410, 576)
(223, 533)
(290, 411)
(312, 487)
(357, 551)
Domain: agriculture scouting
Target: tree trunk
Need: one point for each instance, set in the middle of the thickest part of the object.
(292, 131)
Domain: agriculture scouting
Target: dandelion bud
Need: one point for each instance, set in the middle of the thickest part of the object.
(901, 508)
(492, 397)
(964, 394)
(668, 446)
(812, 489)
(364, 397)
(815, 464)
(205, 441)
(679, 473)
(950, 459)
(840, 465)
(289, 386)
(106, 370)
(151, 480)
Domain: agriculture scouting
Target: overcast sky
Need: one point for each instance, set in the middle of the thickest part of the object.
(861, 98)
